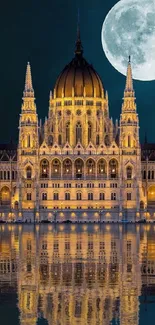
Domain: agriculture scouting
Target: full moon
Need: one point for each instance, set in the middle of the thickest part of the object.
(129, 29)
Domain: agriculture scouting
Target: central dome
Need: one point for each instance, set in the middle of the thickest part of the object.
(79, 78)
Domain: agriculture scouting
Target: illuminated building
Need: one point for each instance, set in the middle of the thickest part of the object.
(79, 159)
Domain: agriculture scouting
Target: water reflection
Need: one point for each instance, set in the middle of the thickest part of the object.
(78, 274)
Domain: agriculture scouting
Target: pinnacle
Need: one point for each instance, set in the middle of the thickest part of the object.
(129, 80)
(28, 92)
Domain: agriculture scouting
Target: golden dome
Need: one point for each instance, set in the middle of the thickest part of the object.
(78, 77)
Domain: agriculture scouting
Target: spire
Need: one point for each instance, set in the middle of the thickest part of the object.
(28, 91)
(78, 46)
(129, 91)
(129, 94)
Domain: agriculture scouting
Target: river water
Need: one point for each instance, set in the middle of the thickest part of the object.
(77, 274)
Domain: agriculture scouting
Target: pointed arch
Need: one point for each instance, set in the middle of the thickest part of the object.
(107, 140)
(67, 168)
(89, 132)
(113, 168)
(79, 168)
(28, 141)
(56, 168)
(97, 140)
(129, 140)
(28, 172)
(78, 132)
(5, 196)
(44, 168)
(50, 140)
(90, 168)
(129, 172)
(68, 132)
(102, 169)
(60, 140)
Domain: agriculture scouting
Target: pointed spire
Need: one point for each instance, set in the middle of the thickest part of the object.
(129, 91)
(78, 46)
(28, 91)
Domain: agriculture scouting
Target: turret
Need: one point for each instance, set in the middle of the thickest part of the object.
(129, 122)
(130, 152)
(28, 145)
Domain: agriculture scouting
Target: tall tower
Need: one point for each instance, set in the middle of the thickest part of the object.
(130, 153)
(28, 169)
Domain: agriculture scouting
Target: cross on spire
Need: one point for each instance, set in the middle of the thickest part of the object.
(28, 91)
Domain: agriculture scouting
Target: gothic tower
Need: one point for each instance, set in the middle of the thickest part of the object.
(130, 152)
(28, 170)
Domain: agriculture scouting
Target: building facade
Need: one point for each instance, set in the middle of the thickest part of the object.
(79, 159)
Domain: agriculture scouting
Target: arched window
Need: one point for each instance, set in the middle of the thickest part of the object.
(102, 196)
(107, 140)
(68, 132)
(67, 168)
(28, 141)
(5, 196)
(129, 141)
(50, 140)
(78, 196)
(79, 168)
(56, 169)
(90, 196)
(78, 132)
(102, 168)
(44, 196)
(67, 196)
(60, 140)
(113, 168)
(28, 172)
(129, 172)
(44, 173)
(89, 132)
(90, 168)
(97, 140)
(55, 196)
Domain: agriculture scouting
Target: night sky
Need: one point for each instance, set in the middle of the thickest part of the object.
(44, 33)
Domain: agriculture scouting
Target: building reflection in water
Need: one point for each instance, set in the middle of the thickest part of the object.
(78, 274)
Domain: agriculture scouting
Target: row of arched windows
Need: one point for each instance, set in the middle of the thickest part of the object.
(67, 196)
(90, 197)
(90, 169)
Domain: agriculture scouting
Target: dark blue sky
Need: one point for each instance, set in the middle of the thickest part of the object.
(44, 33)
